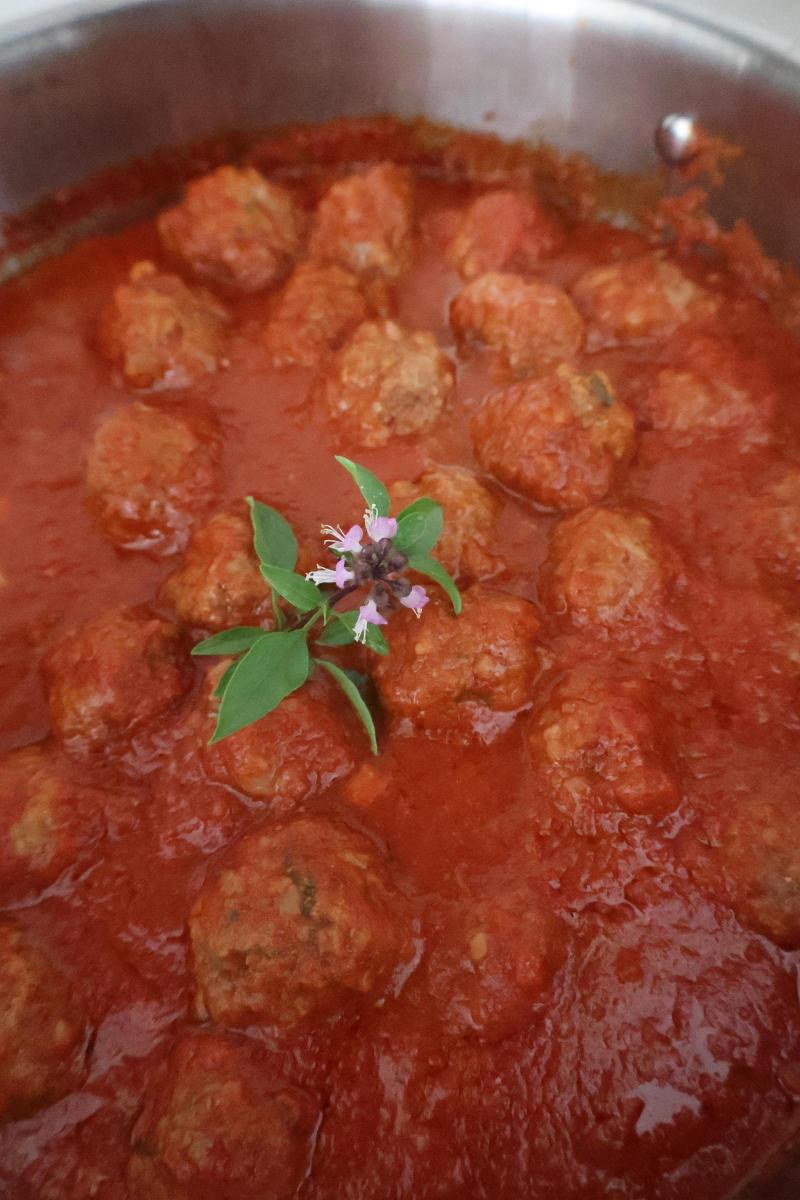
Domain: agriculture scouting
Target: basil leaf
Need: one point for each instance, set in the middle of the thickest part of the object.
(356, 699)
(419, 527)
(277, 665)
(300, 592)
(230, 641)
(368, 484)
(273, 538)
(339, 632)
(219, 690)
(431, 569)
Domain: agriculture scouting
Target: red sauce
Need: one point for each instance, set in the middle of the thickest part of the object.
(656, 1063)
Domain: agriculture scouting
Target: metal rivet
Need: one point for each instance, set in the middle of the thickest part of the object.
(677, 139)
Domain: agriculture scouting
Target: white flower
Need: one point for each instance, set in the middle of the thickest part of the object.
(367, 615)
(377, 527)
(341, 542)
(340, 575)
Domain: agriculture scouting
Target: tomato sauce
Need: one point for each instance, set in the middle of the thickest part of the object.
(661, 1062)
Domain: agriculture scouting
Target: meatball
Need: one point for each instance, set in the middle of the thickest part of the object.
(502, 952)
(458, 673)
(560, 439)
(386, 382)
(42, 1031)
(598, 741)
(365, 222)
(49, 817)
(775, 526)
(109, 679)
(219, 583)
(470, 513)
(222, 1118)
(161, 332)
(526, 321)
(644, 297)
(607, 566)
(714, 390)
(298, 922)
(236, 228)
(751, 858)
(150, 475)
(318, 308)
(292, 753)
(502, 231)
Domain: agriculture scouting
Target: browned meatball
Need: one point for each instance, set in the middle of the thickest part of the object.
(161, 332)
(502, 231)
(221, 1119)
(109, 679)
(386, 382)
(150, 475)
(600, 745)
(236, 228)
(749, 855)
(365, 222)
(560, 439)
(470, 513)
(297, 750)
(49, 817)
(42, 1030)
(219, 583)
(642, 297)
(298, 921)
(501, 954)
(608, 566)
(713, 390)
(528, 322)
(459, 673)
(318, 308)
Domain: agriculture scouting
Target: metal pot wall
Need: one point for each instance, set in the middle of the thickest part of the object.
(96, 84)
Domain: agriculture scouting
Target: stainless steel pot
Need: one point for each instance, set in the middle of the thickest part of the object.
(97, 83)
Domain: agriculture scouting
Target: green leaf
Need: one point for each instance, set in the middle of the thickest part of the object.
(419, 527)
(339, 632)
(356, 699)
(230, 641)
(423, 564)
(277, 665)
(219, 690)
(368, 484)
(300, 592)
(273, 538)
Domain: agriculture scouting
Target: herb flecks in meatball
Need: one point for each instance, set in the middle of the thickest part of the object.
(299, 922)
(467, 674)
(386, 382)
(528, 323)
(151, 474)
(221, 1115)
(560, 439)
(112, 678)
(42, 1029)
(365, 223)
(236, 228)
(160, 332)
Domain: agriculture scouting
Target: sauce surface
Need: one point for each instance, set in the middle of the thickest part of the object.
(659, 1058)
